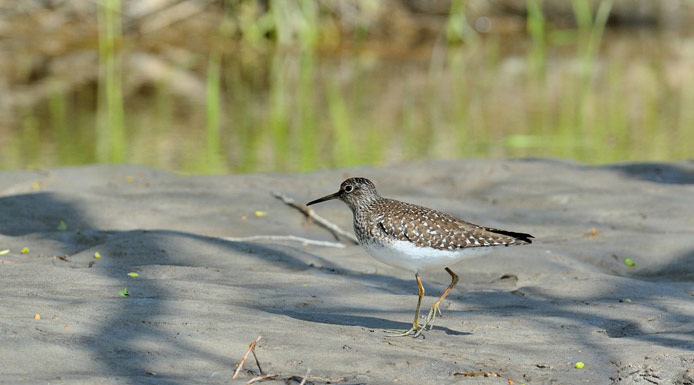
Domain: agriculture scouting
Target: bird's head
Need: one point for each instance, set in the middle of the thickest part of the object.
(354, 192)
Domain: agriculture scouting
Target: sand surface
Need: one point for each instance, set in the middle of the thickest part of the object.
(527, 313)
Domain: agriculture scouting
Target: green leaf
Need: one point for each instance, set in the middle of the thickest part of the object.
(629, 262)
(124, 292)
(97, 255)
(133, 275)
(62, 226)
(3, 252)
(25, 250)
(579, 365)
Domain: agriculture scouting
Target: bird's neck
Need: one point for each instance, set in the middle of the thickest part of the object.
(365, 205)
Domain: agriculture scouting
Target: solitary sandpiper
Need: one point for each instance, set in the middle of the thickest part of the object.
(416, 238)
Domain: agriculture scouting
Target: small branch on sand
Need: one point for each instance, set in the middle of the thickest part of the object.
(304, 241)
(303, 382)
(3, 261)
(310, 214)
(262, 378)
(484, 374)
(287, 379)
(477, 374)
(251, 348)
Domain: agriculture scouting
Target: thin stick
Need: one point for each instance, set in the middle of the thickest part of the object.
(261, 378)
(304, 241)
(257, 363)
(305, 377)
(510, 380)
(478, 374)
(250, 347)
(333, 228)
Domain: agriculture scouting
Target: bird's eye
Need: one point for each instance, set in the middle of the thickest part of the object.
(349, 188)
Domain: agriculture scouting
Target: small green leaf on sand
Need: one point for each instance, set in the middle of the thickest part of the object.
(133, 275)
(579, 365)
(25, 250)
(62, 226)
(629, 262)
(627, 300)
(259, 213)
(97, 255)
(124, 292)
(3, 252)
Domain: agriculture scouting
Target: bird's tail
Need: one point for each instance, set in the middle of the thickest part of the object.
(521, 238)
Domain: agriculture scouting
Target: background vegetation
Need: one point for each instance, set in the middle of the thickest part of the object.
(200, 86)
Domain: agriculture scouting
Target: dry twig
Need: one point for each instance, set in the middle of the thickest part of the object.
(251, 347)
(257, 363)
(305, 377)
(304, 241)
(261, 378)
(477, 374)
(484, 374)
(333, 228)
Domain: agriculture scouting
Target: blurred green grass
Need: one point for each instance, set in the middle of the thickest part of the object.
(110, 140)
(276, 101)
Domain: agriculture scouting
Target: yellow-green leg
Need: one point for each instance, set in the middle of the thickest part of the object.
(435, 307)
(416, 328)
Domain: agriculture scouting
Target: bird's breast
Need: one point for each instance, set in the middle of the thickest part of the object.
(408, 256)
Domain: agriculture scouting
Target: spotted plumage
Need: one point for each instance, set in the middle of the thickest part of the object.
(386, 219)
(416, 238)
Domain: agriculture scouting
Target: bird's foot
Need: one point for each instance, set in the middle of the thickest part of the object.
(432, 316)
(414, 331)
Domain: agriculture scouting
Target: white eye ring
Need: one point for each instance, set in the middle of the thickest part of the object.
(349, 188)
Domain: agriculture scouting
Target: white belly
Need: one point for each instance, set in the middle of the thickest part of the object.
(406, 256)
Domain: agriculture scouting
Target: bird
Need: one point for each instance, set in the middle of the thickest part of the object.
(416, 238)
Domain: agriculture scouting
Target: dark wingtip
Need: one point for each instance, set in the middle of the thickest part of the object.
(522, 237)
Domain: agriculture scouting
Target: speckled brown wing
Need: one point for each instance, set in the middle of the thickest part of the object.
(439, 230)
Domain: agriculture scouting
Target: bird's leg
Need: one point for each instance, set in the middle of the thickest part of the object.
(435, 307)
(416, 328)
